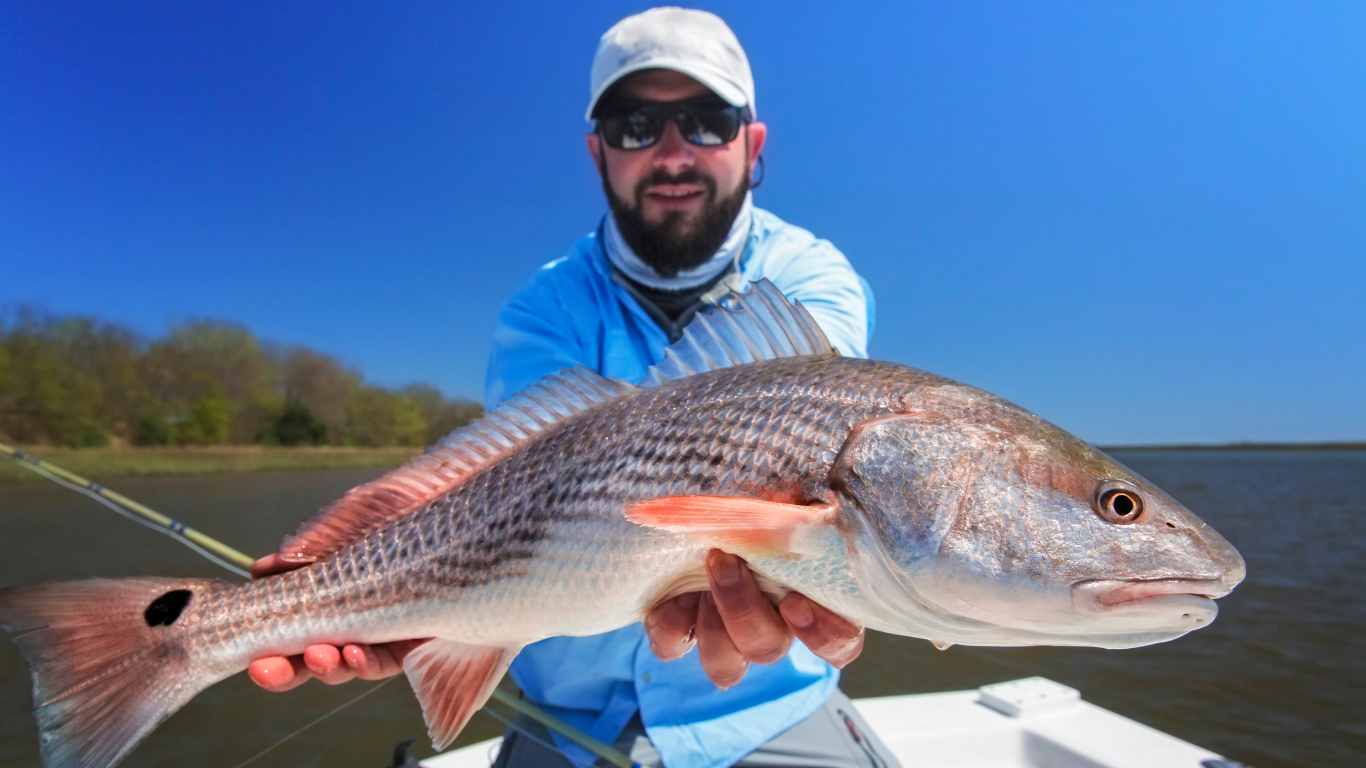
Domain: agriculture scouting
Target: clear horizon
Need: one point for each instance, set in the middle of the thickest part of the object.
(1146, 224)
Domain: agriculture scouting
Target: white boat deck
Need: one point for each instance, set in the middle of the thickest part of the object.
(1030, 723)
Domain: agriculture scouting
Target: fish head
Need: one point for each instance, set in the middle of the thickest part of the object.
(977, 522)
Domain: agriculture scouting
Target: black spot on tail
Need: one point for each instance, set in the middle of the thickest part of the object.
(166, 609)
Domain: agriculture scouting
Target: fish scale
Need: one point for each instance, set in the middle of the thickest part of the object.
(900, 500)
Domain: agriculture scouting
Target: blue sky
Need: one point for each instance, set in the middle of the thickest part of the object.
(1144, 221)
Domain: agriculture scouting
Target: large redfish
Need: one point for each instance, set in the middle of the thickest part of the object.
(906, 502)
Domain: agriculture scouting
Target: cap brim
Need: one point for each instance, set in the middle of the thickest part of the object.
(731, 93)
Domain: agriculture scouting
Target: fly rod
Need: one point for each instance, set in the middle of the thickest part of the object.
(230, 558)
(222, 553)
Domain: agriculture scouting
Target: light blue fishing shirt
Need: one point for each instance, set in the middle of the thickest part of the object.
(572, 313)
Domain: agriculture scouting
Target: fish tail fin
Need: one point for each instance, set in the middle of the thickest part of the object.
(109, 662)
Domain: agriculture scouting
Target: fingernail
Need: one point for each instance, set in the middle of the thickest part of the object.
(352, 657)
(798, 613)
(725, 569)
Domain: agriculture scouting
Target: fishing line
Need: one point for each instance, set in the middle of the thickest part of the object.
(135, 518)
(272, 747)
(520, 730)
(524, 732)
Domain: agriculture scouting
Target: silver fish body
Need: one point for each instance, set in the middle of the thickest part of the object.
(957, 510)
(904, 501)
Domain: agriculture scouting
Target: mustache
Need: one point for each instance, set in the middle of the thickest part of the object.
(690, 176)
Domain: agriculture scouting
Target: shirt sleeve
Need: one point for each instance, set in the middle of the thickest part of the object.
(534, 338)
(823, 280)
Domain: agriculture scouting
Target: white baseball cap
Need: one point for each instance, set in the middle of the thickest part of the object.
(696, 43)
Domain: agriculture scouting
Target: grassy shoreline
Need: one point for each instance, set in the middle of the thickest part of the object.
(103, 463)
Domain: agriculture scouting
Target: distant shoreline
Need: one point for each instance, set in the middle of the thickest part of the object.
(1240, 447)
(103, 463)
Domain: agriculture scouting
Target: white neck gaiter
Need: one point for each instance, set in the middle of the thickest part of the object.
(624, 259)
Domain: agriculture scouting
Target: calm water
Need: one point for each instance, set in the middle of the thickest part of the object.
(1278, 680)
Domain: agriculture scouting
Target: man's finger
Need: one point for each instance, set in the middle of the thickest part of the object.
(721, 660)
(325, 662)
(376, 662)
(754, 625)
(826, 633)
(366, 661)
(278, 673)
(670, 626)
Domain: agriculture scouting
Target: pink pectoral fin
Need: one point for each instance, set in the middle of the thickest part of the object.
(743, 526)
(452, 681)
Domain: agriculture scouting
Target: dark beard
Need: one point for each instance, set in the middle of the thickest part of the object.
(674, 244)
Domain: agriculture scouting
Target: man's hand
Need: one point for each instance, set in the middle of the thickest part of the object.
(328, 663)
(734, 625)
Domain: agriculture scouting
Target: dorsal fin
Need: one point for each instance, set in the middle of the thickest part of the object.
(759, 324)
(456, 457)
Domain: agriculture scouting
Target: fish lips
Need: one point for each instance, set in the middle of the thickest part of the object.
(1183, 601)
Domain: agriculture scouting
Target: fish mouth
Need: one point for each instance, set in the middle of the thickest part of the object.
(1148, 596)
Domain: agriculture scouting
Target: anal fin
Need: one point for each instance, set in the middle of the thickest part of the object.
(452, 681)
(742, 526)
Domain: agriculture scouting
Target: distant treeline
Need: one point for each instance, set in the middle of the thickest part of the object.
(82, 382)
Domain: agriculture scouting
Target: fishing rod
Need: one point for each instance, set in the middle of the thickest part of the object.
(231, 559)
(206, 545)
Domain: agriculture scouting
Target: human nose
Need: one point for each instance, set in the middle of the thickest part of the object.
(673, 154)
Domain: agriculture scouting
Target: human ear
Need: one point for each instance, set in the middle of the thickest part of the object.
(756, 133)
(594, 148)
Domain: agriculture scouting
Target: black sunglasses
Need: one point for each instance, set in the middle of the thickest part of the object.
(705, 122)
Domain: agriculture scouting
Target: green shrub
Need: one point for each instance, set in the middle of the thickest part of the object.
(88, 435)
(208, 422)
(152, 429)
(296, 425)
(440, 413)
(409, 426)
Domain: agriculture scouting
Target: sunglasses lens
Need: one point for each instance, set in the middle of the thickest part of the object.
(632, 130)
(710, 128)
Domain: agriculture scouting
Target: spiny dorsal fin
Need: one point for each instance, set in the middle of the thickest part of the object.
(456, 457)
(760, 324)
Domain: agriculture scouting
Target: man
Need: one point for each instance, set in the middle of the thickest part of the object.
(676, 143)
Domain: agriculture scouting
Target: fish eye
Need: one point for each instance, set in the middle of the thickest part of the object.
(1119, 502)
